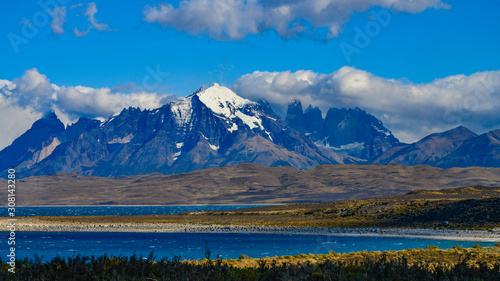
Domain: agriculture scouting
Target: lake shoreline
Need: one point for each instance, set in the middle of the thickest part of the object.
(35, 225)
(153, 205)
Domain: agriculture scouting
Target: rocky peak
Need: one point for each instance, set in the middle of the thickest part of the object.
(458, 133)
(313, 119)
(222, 100)
(268, 108)
(295, 115)
(49, 122)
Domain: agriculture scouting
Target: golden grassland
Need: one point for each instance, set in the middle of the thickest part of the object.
(247, 183)
(430, 255)
(475, 263)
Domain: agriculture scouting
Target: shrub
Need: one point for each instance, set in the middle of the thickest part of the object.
(244, 257)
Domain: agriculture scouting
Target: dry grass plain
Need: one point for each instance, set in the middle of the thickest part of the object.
(248, 184)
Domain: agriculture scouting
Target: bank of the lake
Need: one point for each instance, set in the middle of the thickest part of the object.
(35, 224)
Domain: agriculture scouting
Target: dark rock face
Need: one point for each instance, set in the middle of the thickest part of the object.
(313, 120)
(348, 126)
(295, 116)
(349, 131)
(267, 108)
(212, 127)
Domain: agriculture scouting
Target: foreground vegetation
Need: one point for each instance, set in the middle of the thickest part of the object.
(475, 207)
(418, 264)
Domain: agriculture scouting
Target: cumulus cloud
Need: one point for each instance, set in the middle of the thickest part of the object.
(58, 19)
(14, 119)
(410, 110)
(235, 19)
(33, 90)
(103, 102)
(25, 100)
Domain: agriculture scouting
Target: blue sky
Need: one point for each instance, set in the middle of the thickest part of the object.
(420, 47)
(427, 40)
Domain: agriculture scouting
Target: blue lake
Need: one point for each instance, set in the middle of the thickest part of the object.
(117, 210)
(192, 245)
(187, 245)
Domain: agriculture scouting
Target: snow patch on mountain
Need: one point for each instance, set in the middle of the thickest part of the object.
(125, 139)
(251, 121)
(355, 146)
(176, 155)
(383, 131)
(350, 146)
(182, 111)
(233, 128)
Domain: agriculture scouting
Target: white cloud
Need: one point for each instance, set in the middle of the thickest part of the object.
(25, 99)
(235, 19)
(80, 33)
(102, 102)
(75, 6)
(410, 110)
(33, 90)
(58, 19)
(90, 12)
(14, 120)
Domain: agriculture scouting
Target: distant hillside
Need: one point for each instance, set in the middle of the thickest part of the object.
(468, 192)
(458, 147)
(248, 183)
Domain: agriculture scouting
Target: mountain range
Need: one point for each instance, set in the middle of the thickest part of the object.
(214, 127)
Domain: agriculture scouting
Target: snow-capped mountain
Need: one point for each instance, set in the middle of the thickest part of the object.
(212, 127)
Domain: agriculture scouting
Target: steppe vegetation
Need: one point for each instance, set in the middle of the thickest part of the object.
(476, 263)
